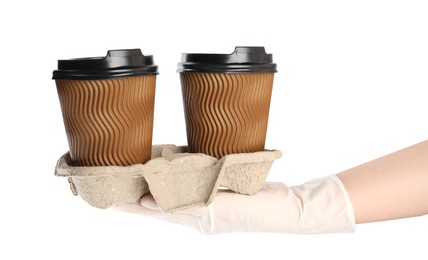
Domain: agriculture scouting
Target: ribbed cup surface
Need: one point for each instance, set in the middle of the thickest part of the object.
(226, 113)
(108, 122)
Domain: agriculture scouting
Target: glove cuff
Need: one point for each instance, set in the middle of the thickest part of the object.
(325, 206)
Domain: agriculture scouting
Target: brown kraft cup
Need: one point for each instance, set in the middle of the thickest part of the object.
(226, 100)
(107, 105)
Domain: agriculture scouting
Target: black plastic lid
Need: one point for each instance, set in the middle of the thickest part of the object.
(243, 59)
(117, 63)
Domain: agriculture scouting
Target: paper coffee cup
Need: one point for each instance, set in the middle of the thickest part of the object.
(226, 100)
(107, 105)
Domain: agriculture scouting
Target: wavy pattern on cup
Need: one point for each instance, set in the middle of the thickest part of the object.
(226, 113)
(108, 122)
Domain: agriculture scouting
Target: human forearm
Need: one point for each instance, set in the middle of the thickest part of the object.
(391, 187)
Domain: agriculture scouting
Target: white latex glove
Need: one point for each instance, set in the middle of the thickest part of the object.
(318, 206)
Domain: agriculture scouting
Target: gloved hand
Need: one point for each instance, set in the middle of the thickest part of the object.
(318, 206)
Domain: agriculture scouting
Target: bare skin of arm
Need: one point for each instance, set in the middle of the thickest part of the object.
(391, 187)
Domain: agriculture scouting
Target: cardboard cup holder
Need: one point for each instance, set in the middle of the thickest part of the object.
(177, 180)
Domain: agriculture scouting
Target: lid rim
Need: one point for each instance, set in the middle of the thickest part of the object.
(104, 74)
(227, 68)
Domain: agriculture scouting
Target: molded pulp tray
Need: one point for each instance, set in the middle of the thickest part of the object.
(176, 179)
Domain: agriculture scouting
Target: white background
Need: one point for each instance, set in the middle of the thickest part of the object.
(351, 86)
